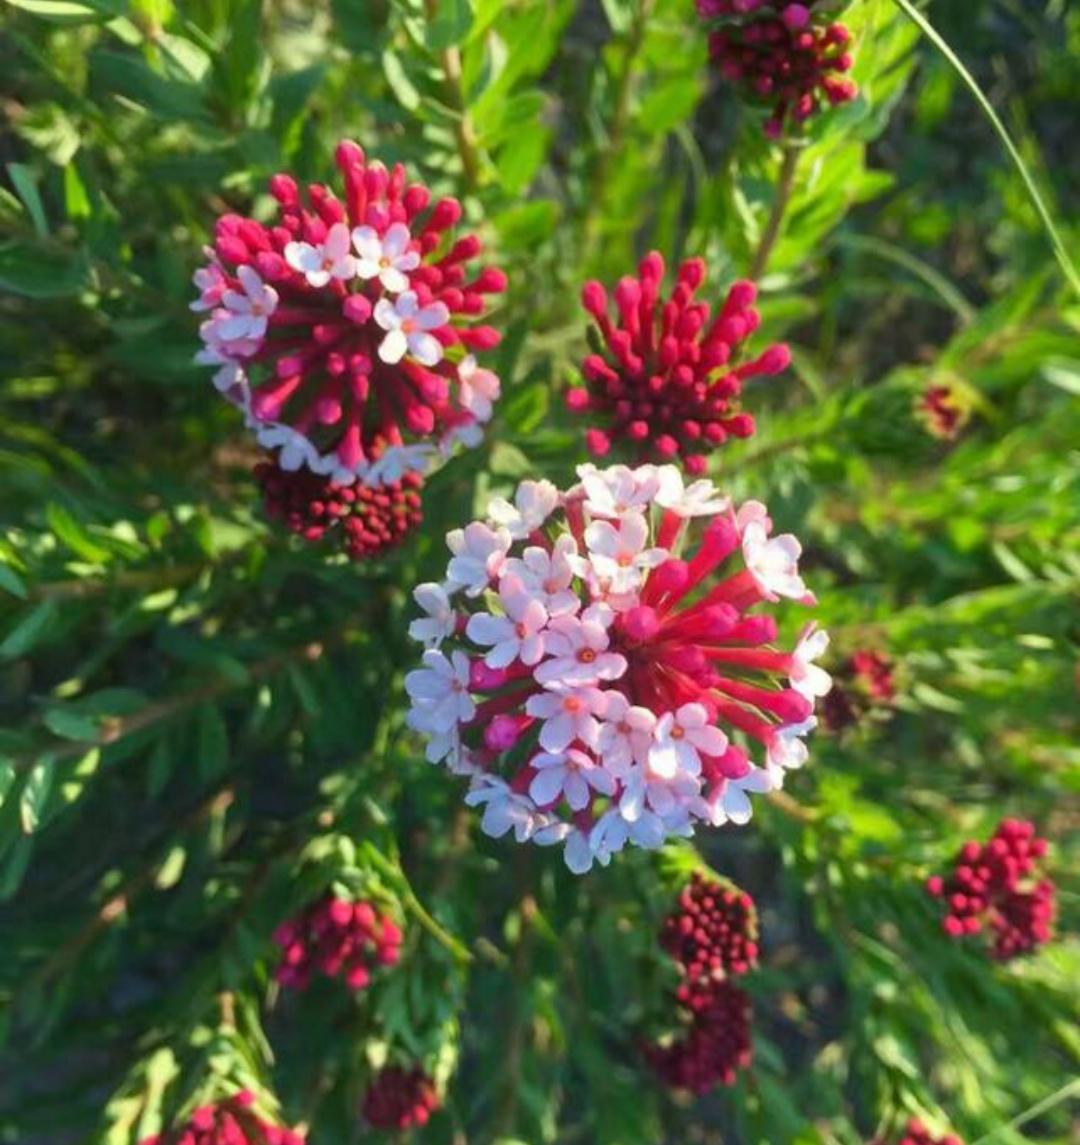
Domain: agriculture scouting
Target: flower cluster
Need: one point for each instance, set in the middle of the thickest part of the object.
(995, 885)
(916, 1133)
(229, 1122)
(792, 58)
(598, 662)
(666, 377)
(714, 1049)
(342, 329)
(361, 520)
(337, 938)
(862, 682)
(941, 412)
(711, 934)
(400, 1099)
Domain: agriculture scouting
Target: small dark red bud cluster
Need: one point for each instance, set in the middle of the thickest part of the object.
(994, 885)
(337, 938)
(714, 1049)
(667, 376)
(791, 57)
(916, 1133)
(873, 671)
(712, 936)
(400, 1098)
(940, 412)
(362, 521)
(229, 1122)
(862, 682)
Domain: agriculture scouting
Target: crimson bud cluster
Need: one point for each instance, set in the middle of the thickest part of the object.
(712, 936)
(337, 938)
(994, 885)
(399, 1098)
(792, 58)
(229, 1122)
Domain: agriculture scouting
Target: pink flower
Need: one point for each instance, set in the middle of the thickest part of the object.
(388, 258)
(578, 651)
(568, 715)
(344, 356)
(519, 635)
(616, 690)
(320, 262)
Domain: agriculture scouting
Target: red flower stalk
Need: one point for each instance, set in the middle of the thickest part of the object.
(398, 1098)
(361, 520)
(712, 934)
(993, 885)
(229, 1122)
(339, 939)
(916, 1133)
(344, 329)
(667, 376)
(714, 1049)
(793, 60)
(942, 415)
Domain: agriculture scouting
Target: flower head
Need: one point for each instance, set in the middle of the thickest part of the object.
(337, 938)
(399, 1098)
(361, 520)
(792, 58)
(917, 1133)
(598, 662)
(944, 409)
(233, 1121)
(996, 886)
(666, 377)
(347, 324)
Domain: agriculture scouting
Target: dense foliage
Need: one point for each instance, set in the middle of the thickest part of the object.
(233, 894)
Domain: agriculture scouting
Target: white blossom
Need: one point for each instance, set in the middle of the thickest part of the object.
(534, 502)
(549, 576)
(407, 324)
(806, 677)
(479, 555)
(568, 774)
(478, 390)
(519, 635)
(388, 259)
(578, 650)
(773, 562)
(681, 738)
(320, 262)
(440, 691)
(568, 715)
(617, 490)
(618, 554)
(432, 629)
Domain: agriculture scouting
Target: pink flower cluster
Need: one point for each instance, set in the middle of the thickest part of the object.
(994, 885)
(791, 56)
(337, 938)
(712, 934)
(343, 330)
(361, 520)
(229, 1122)
(667, 376)
(601, 665)
(916, 1133)
(400, 1098)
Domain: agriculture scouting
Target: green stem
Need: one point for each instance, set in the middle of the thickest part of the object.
(1034, 194)
(1047, 1103)
(785, 185)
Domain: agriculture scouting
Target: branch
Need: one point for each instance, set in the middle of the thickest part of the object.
(464, 132)
(784, 187)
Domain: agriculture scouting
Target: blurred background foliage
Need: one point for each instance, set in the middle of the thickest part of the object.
(202, 721)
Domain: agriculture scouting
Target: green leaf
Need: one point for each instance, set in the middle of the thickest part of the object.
(450, 26)
(7, 778)
(35, 795)
(68, 11)
(68, 530)
(37, 273)
(11, 582)
(25, 183)
(213, 742)
(71, 724)
(126, 75)
(30, 631)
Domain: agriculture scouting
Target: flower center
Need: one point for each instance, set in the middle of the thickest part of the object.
(677, 732)
(586, 655)
(521, 630)
(408, 325)
(624, 560)
(572, 705)
(384, 263)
